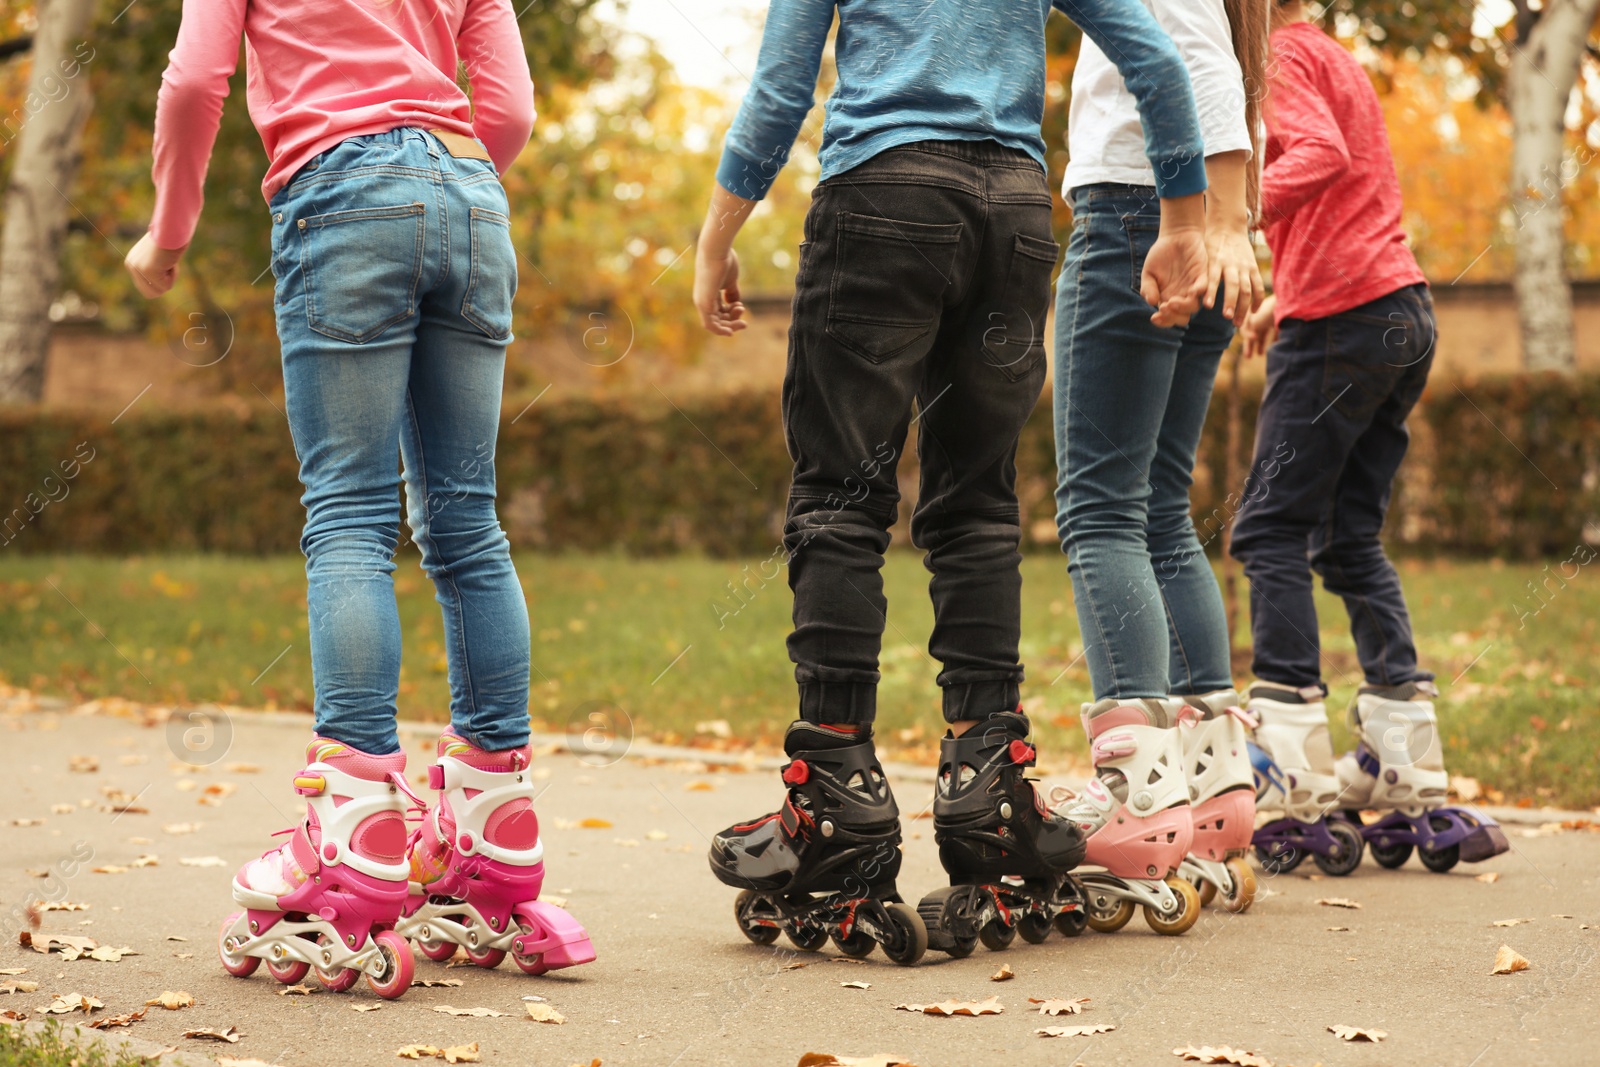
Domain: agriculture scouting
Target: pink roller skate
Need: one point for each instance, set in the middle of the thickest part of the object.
(476, 867)
(328, 900)
(1222, 796)
(1136, 815)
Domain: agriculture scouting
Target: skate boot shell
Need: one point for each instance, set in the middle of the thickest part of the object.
(825, 863)
(1222, 798)
(1397, 769)
(328, 900)
(1292, 760)
(1007, 854)
(1136, 816)
(476, 867)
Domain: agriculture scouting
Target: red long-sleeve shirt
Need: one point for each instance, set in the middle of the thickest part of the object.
(1330, 200)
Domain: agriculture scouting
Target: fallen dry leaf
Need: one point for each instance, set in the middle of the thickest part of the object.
(544, 1013)
(365, 1007)
(62, 809)
(1088, 1030)
(452, 1054)
(18, 985)
(203, 861)
(699, 786)
(68, 1003)
(13, 970)
(109, 868)
(656, 835)
(1004, 974)
(1338, 902)
(172, 1000)
(14, 1016)
(180, 827)
(107, 954)
(214, 793)
(59, 905)
(855, 985)
(1488, 876)
(1057, 1006)
(126, 1019)
(1221, 1054)
(242, 768)
(146, 860)
(1356, 1033)
(234, 1061)
(175, 937)
(68, 946)
(206, 1033)
(956, 1007)
(825, 1059)
(1507, 961)
(27, 822)
(479, 1013)
(297, 991)
(1338, 929)
(83, 764)
(441, 983)
(594, 824)
(1510, 922)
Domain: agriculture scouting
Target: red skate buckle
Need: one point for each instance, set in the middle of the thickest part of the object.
(797, 773)
(436, 777)
(1022, 753)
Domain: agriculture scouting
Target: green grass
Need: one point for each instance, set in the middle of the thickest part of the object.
(605, 629)
(54, 1047)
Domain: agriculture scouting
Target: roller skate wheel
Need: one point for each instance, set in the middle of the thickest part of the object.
(1350, 843)
(857, 946)
(533, 962)
(228, 945)
(338, 979)
(398, 966)
(997, 934)
(910, 934)
(1185, 914)
(1071, 923)
(1390, 856)
(1439, 860)
(1243, 891)
(1033, 927)
(287, 971)
(754, 929)
(1278, 858)
(1207, 890)
(805, 937)
(488, 958)
(1108, 914)
(936, 912)
(436, 948)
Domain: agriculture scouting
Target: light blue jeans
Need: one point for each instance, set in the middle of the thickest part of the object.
(1130, 402)
(395, 273)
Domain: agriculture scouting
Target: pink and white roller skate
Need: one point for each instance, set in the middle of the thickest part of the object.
(328, 900)
(1216, 760)
(476, 867)
(1136, 815)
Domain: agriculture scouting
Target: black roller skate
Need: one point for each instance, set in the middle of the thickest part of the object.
(825, 863)
(1008, 856)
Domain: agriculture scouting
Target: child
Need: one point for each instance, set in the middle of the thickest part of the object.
(922, 289)
(1131, 397)
(395, 273)
(1355, 342)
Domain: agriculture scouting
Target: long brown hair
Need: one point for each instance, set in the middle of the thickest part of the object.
(1249, 21)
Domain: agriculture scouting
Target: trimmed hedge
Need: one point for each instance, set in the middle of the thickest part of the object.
(1505, 466)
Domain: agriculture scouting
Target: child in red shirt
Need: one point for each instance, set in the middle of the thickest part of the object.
(1355, 341)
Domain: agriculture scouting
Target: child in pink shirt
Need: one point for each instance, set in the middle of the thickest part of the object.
(391, 246)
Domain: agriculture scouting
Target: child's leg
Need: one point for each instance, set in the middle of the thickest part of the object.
(1114, 374)
(1196, 620)
(1346, 550)
(448, 440)
(346, 313)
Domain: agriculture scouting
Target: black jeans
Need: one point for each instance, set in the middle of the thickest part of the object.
(921, 298)
(1329, 439)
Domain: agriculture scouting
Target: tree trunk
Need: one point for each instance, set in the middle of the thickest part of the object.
(1544, 68)
(48, 150)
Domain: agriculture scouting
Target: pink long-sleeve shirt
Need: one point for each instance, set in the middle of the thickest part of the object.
(1330, 199)
(321, 71)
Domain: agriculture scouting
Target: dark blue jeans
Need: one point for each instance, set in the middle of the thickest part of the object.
(1329, 439)
(1130, 402)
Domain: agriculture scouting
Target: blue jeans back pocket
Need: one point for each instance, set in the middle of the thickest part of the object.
(493, 282)
(361, 269)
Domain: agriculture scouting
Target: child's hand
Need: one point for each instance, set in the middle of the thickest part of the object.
(1233, 266)
(716, 292)
(154, 269)
(1259, 330)
(1174, 278)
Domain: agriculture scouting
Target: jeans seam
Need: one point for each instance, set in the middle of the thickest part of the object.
(427, 532)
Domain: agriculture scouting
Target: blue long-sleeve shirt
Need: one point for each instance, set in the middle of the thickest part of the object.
(951, 70)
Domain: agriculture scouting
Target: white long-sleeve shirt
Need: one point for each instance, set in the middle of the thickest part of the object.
(1105, 139)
